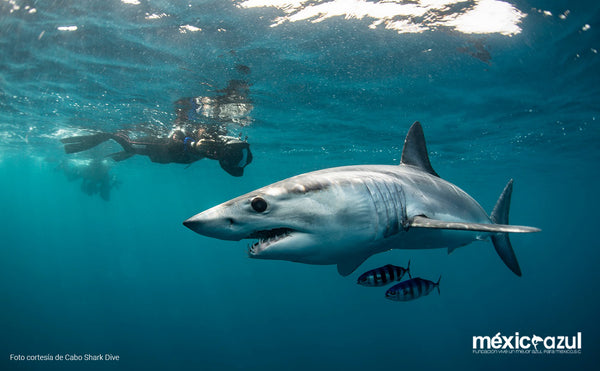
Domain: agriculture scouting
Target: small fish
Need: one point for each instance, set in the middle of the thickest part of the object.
(383, 275)
(412, 289)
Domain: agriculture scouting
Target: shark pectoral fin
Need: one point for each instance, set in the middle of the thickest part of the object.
(348, 266)
(425, 222)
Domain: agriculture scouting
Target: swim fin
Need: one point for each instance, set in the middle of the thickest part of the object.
(120, 156)
(84, 142)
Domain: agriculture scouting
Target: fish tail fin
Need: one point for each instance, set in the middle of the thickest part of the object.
(437, 285)
(500, 240)
(408, 269)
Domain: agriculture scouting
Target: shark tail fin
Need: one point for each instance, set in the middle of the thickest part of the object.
(437, 285)
(500, 240)
(408, 269)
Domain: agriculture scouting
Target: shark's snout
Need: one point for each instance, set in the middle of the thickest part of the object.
(192, 224)
(211, 224)
(196, 224)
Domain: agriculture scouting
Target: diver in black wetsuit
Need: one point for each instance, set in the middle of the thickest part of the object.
(189, 141)
(233, 154)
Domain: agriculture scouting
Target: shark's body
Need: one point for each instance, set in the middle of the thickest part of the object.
(344, 215)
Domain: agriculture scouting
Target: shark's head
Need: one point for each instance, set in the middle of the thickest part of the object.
(310, 218)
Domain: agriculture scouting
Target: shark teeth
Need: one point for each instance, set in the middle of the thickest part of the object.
(266, 238)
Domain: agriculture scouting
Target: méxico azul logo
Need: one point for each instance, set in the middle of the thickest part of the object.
(535, 344)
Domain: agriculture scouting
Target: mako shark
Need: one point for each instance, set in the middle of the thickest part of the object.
(344, 215)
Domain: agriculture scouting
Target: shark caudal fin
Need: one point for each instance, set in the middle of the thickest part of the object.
(499, 228)
(501, 241)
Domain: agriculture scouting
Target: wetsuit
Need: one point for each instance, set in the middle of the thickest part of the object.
(160, 150)
(233, 154)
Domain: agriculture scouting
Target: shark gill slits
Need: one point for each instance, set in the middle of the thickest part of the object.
(259, 204)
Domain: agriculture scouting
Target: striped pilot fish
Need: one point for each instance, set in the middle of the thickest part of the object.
(412, 289)
(383, 275)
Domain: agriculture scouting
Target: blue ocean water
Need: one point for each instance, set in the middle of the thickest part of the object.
(86, 274)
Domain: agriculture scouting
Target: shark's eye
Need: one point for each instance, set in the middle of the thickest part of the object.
(259, 204)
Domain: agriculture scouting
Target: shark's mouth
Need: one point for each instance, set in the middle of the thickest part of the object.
(267, 238)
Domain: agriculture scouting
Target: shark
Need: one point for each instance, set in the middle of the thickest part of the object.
(344, 215)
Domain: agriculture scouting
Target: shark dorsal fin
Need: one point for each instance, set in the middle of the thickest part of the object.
(414, 152)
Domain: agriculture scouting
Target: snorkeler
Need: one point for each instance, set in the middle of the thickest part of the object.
(180, 147)
(189, 141)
